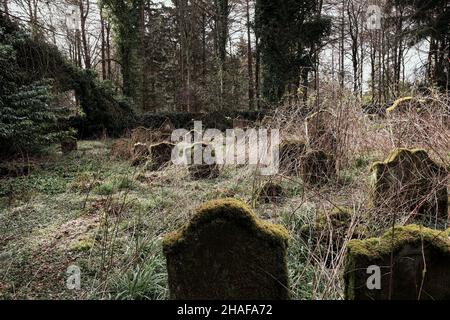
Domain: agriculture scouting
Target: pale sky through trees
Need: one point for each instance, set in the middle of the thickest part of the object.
(57, 14)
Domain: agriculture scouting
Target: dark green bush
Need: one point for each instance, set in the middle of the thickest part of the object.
(28, 119)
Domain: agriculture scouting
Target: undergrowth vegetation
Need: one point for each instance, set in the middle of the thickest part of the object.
(94, 210)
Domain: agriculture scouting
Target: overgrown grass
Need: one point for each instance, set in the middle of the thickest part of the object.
(95, 211)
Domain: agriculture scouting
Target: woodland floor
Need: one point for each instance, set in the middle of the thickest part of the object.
(99, 213)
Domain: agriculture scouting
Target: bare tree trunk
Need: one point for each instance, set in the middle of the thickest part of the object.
(32, 12)
(341, 47)
(103, 47)
(204, 46)
(5, 7)
(258, 75)
(353, 18)
(84, 12)
(373, 54)
(78, 48)
(143, 68)
(108, 50)
(251, 92)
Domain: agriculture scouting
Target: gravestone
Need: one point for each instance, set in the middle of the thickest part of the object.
(321, 132)
(203, 170)
(318, 167)
(227, 253)
(68, 145)
(406, 263)
(291, 152)
(160, 155)
(409, 182)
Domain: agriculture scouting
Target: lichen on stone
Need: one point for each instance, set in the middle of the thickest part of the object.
(231, 210)
(413, 260)
(394, 238)
(407, 181)
(226, 252)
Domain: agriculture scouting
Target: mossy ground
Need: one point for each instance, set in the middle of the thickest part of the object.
(96, 211)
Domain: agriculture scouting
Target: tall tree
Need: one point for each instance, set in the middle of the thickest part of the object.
(251, 89)
(125, 18)
(288, 30)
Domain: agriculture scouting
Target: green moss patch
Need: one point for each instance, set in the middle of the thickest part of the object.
(408, 182)
(413, 262)
(229, 254)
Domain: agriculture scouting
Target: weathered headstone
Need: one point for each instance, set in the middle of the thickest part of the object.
(160, 155)
(321, 132)
(291, 152)
(68, 145)
(227, 253)
(201, 169)
(406, 263)
(318, 167)
(409, 182)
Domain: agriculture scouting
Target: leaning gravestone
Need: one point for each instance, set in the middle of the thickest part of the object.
(227, 253)
(202, 169)
(406, 263)
(408, 181)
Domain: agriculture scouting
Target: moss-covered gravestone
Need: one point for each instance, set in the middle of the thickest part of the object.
(227, 253)
(330, 231)
(332, 227)
(411, 263)
(205, 167)
(408, 182)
